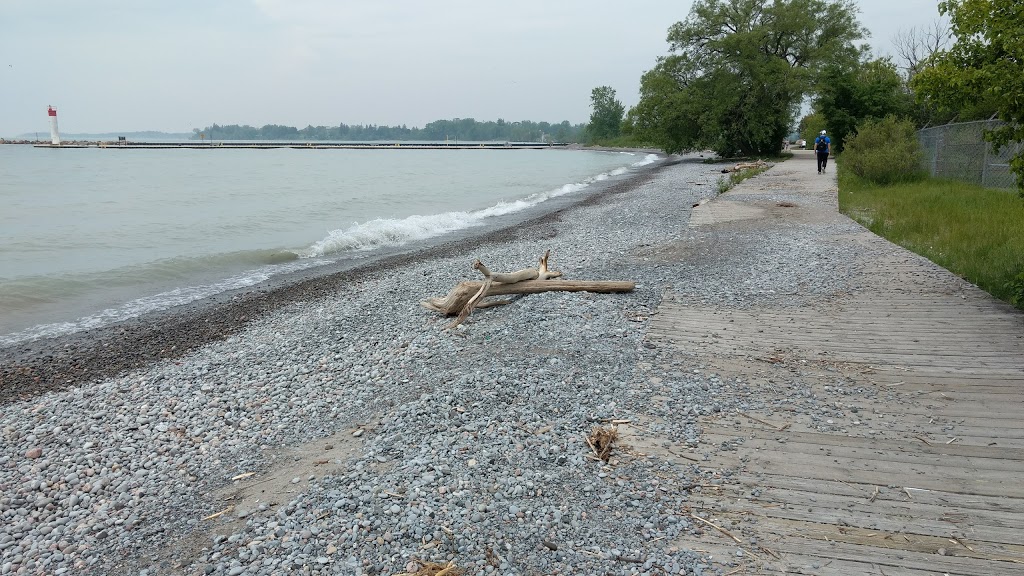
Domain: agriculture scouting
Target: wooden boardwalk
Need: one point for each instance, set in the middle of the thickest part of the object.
(916, 467)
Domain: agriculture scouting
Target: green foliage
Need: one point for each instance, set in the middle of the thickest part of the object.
(974, 232)
(466, 129)
(810, 126)
(884, 151)
(606, 115)
(985, 64)
(738, 71)
(1015, 290)
(849, 93)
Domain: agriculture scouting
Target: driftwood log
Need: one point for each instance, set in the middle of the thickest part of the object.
(746, 166)
(468, 295)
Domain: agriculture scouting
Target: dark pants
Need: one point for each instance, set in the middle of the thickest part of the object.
(822, 160)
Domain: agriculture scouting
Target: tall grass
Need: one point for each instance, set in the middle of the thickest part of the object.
(976, 233)
(725, 184)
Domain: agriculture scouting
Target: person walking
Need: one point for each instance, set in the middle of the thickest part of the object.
(822, 148)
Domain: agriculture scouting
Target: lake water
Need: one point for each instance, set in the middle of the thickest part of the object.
(93, 236)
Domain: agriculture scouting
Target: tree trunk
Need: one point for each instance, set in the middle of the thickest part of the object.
(467, 296)
(457, 299)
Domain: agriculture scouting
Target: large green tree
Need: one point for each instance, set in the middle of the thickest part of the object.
(986, 63)
(738, 70)
(606, 115)
(847, 95)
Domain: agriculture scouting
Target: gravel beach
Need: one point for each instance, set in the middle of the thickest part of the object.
(334, 426)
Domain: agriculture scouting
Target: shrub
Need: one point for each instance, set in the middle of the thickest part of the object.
(884, 151)
(1016, 289)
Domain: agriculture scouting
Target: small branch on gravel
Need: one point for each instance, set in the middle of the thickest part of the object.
(221, 513)
(717, 527)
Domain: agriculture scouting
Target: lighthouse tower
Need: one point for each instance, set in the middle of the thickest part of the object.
(54, 135)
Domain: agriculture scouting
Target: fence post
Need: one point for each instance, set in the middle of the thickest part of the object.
(984, 166)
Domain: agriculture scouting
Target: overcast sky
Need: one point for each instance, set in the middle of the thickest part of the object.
(175, 65)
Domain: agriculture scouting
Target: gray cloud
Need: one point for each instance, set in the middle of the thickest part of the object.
(111, 65)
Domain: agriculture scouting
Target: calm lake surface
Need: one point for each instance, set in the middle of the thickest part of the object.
(93, 236)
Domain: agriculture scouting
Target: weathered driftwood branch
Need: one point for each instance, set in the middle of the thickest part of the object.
(541, 271)
(469, 295)
(464, 291)
(745, 166)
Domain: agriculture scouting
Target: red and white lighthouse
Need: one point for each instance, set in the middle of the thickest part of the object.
(54, 135)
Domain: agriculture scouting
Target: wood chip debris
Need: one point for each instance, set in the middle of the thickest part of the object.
(243, 476)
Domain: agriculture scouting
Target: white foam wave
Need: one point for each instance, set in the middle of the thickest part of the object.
(388, 232)
(648, 159)
(154, 303)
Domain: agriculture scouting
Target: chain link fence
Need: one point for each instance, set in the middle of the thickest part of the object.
(960, 152)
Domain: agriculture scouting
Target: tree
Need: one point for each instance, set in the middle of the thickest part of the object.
(915, 46)
(606, 117)
(848, 95)
(738, 71)
(986, 63)
(810, 126)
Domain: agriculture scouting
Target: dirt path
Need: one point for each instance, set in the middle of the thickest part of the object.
(913, 465)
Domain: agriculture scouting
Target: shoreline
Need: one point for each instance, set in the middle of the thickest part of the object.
(340, 400)
(28, 369)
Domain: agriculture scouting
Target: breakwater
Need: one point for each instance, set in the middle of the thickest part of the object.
(121, 145)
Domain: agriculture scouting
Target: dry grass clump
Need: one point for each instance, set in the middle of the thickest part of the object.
(433, 569)
(601, 440)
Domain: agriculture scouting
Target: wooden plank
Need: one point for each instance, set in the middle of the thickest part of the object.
(716, 431)
(893, 503)
(918, 456)
(829, 515)
(914, 364)
(946, 320)
(794, 563)
(864, 490)
(962, 547)
(890, 510)
(900, 559)
(991, 356)
(916, 476)
(928, 330)
(911, 428)
(853, 336)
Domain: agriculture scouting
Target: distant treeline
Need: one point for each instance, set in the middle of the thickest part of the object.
(466, 129)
